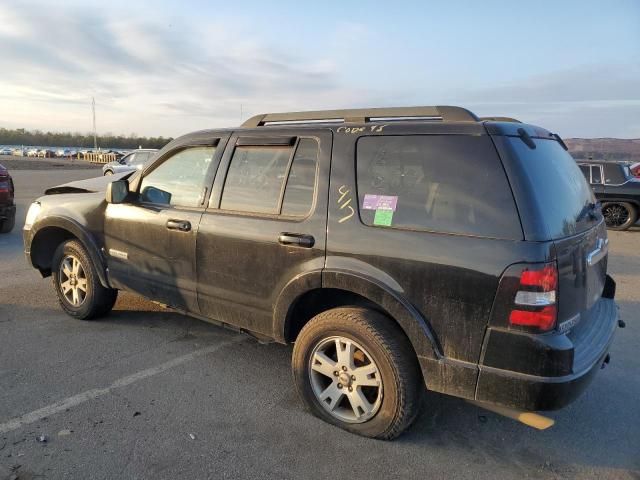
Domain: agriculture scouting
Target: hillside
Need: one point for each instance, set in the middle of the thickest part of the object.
(605, 148)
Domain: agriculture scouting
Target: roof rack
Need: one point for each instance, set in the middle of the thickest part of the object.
(500, 119)
(364, 115)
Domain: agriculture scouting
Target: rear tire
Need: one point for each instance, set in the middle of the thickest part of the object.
(7, 224)
(76, 282)
(619, 215)
(108, 172)
(372, 387)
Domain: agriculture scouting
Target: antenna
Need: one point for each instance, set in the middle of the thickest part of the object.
(93, 109)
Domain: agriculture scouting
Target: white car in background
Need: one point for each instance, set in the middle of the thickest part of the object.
(130, 162)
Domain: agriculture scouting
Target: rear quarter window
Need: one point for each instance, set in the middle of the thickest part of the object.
(439, 183)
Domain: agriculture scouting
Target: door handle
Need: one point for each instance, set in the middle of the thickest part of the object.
(298, 239)
(181, 225)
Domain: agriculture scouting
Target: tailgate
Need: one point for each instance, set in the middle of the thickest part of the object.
(582, 269)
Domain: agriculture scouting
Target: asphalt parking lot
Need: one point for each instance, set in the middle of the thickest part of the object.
(147, 393)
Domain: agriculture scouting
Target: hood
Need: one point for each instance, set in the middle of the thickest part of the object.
(92, 185)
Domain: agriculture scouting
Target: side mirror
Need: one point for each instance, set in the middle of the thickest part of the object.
(117, 191)
(155, 195)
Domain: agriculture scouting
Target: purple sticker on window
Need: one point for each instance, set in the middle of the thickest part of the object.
(379, 202)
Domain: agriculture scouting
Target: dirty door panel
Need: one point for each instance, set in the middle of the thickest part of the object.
(265, 227)
(150, 242)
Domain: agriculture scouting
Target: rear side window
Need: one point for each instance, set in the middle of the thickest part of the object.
(255, 178)
(298, 196)
(258, 175)
(596, 176)
(440, 183)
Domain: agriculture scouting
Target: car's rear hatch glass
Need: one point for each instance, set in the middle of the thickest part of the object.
(558, 187)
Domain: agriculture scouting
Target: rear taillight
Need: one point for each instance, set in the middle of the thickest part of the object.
(535, 300)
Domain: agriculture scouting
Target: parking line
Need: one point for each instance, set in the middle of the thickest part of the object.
(80, 398)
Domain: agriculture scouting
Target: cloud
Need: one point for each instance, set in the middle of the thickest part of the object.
(587, 101)
(160, 74)
(182, 75)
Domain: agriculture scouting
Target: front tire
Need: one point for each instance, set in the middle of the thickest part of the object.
(108, 172)
(76, 282)
(619, 215)
(354, 368)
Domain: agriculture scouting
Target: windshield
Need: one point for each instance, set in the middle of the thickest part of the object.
(565, 199)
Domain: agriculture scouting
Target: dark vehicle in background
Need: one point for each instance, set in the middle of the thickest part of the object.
(617, 189)
(361, 237)
(132, 161)
(7, 205)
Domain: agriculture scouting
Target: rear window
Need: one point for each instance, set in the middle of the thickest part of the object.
(439, 183)
(558, 185)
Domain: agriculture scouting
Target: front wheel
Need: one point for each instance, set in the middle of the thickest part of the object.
(619, 215)
(77, 285)
(355, 368)
(108, 172)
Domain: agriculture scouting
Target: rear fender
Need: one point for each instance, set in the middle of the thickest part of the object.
(414, 325)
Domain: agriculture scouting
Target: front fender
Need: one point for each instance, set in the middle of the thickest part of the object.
(34, 237)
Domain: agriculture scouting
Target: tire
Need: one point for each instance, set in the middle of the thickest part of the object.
(96, 300)
(108, 172)
(7, 224)
(381, 347)
(619, 215)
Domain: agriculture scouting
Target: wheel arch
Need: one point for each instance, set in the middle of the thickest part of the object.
(53, 231)
(340, 289)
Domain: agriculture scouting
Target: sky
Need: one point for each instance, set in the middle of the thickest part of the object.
(169, 67)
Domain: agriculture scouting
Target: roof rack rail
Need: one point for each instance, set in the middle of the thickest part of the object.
(365, 115)
(500, 119)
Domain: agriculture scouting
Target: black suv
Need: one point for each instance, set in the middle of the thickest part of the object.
(617, 189)
(399, 249)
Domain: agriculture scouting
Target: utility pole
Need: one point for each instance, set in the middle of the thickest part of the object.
(93, 109)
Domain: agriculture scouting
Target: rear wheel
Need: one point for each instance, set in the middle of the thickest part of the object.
(619, 215)
(77, 285)
(7, 224)
(354, 368)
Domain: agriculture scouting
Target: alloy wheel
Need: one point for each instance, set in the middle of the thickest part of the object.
(615, 215)
(345, 379)
(73, 280)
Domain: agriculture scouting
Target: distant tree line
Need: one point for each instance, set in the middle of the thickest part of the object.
(594, 155)
(20, 136)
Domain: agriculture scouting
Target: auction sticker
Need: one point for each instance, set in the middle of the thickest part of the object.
(383, 217)
(380, 202)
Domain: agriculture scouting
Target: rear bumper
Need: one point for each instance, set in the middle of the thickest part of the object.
(567, 363)
(7, 211)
